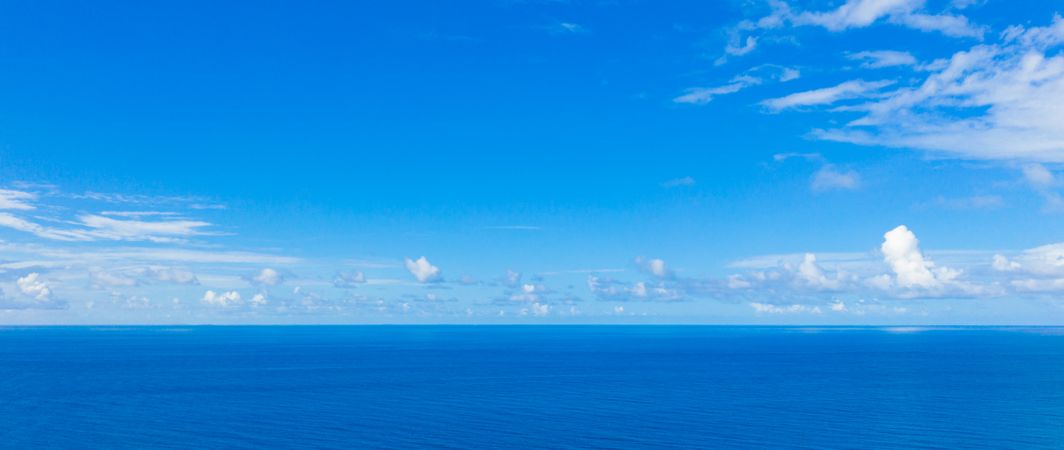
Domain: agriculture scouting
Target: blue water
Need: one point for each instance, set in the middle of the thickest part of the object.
(521, 387)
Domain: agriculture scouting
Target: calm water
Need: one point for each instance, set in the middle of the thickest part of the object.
(519, 387)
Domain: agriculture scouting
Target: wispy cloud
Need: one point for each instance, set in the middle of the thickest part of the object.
(826, 96)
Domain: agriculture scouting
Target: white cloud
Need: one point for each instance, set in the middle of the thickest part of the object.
(826, 96)
(258, 299)
(1003, 264)
(268, 277)
(230, 298)
(566, 28)
(849, 15)
(657, 267)
(512, 278)
(829, 178)
(139, 230)
(1038, 176)
(862, 13)
(349, 279)
(753, 77)
(901, 250)
(171, 275)
(11, 199)
(31, 285)
(540, 309)
(764, 308)
(883, 58)
(677, 182)
(993, 102)
(422, 270)
(15, 223)
(810, 273)
(738, 46)
(702, 95)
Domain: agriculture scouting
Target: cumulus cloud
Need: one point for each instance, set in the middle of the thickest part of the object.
(423, 270)
(901, 270)
(31, 285)
(615, 290)
(765, 308)
(653, 266)
(258, 299)
(349, 279)
(813, 275)
(267, 277)
(901, 250)
(539, 309)
(231, 298)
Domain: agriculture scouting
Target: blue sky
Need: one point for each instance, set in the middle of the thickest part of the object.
(842, 162)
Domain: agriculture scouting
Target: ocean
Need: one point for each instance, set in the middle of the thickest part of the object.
(531, 387)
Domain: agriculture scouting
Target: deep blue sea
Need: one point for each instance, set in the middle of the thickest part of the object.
(531, 387)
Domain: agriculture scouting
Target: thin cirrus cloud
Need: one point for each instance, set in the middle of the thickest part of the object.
(753, 77)
(877, 59)
(744, 37)
(830, 178)
(825, 96)
(997, 101)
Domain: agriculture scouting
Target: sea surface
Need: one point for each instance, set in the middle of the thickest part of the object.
(531, 387)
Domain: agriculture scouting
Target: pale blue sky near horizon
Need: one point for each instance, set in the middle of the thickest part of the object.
(504, 161)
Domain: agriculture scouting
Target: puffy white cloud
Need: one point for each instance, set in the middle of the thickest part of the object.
(349, 279)
(831, 178)
(529, 293)
(268, 277)
(901, 250)
(258, 299)
(539, 309)
(812, 275)
(423, 270)
(1003, 264)
(231, 298)
(653, 266)
(32, 286)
